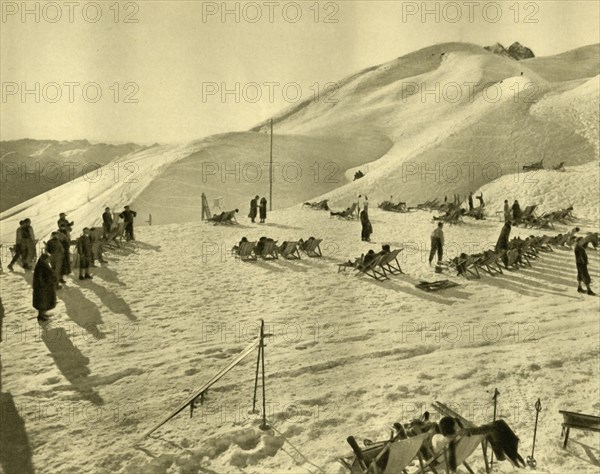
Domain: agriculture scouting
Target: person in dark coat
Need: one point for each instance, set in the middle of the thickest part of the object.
(471, 205)
(27, 244)
(581, 260)
(44, 287)
(507, 211)
(437, 243)
(253, 208)
(62, 220)
(84, 249)
(107, 222)
(128, 215)
(263, 210)
(65, 240)
(516, 212)
(55, 249)
(367, 228)
(17, 247)
(502, 244)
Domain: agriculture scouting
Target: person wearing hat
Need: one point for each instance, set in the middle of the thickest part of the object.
(64, 236)
(27, 244)
(54, 247)
(84, 249)
(44, 287)
(17, 246)
(253, 208)
(107, 222)
(128, 215)
(62, 220)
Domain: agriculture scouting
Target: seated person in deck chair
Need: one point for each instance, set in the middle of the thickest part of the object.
(304, 244)
(345, 213)
(236, 248)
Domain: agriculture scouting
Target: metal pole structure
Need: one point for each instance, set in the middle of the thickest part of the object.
(271, 170)
(256, 376)
(264, 425)
(495, 398)
(530, 459)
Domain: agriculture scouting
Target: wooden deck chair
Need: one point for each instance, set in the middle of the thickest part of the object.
(116, 235)
(245, 251)
(512, 256)
(465, 446)
(390, 262)
(389, 457)
(468, 265)
(490, 263)
(312, 248)
(289, 250)
(373, 269)
(349, 214)
(269, 251)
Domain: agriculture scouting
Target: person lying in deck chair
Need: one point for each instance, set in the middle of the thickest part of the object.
(236, 248)
(224, 217)
(503, 440)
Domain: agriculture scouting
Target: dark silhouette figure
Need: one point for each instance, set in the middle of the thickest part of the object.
(253, 208)
(44, 287)
(366, 227)
(128, 216)
(263, 210)
(437, 243)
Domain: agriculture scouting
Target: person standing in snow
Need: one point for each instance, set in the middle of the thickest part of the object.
(27, 244)
(128, 215)
(55, 249)
(65, 240)
(581, 261)
(263, 210)
(516, 212)
(253, 208)
(506, 211)
(84, 249)
(18, 248)
(366, 227)
(62, 220)
(437, 243)
(107, 222)
(502, 243)
(44, 287)
(471, 205)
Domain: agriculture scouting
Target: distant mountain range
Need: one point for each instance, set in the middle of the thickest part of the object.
(31, 167)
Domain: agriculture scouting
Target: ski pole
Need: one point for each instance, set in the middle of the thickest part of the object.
(495, 398)
(530, 459)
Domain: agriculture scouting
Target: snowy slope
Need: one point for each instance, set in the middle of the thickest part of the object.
(348, 355)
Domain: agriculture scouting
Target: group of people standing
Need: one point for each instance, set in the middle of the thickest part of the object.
(512, 213)
(54, 262)
(258, 208)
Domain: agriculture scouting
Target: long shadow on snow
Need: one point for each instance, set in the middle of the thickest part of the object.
(15, 455)
(108, 274)
(526, 287)
(82, 311)
(113, 302)
(592, 453)
(71, 362)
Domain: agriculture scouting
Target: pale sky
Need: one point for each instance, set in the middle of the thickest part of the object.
(178, 49)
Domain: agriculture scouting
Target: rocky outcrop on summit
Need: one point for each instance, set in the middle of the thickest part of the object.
(518, 51)
(515, 51)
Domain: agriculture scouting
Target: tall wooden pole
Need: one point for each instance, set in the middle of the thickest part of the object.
(271, 170)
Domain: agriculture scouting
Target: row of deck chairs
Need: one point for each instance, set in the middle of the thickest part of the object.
(529, 218)
(402, 454)
(269, 250)
(519, 254)
(380, 267)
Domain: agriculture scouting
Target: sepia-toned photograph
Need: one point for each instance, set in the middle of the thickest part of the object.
(299, 237)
